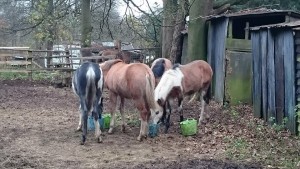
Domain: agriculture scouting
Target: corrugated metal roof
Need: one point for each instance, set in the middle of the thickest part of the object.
(279, 25)
(256, 12)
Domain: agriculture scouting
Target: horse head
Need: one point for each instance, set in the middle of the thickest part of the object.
(168, 87)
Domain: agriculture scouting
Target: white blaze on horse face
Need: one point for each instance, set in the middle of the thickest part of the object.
(156, 115)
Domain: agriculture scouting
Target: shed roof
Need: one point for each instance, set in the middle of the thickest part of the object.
(294, 24)
(256, 13)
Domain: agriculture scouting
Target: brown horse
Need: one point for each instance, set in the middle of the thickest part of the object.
(110, 53)
(130, 56)
(126, 56)
(131, 81)
(159, 66)
(182, 80)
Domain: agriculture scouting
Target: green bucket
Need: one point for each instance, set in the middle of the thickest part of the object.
(188, 127)
(106, 121)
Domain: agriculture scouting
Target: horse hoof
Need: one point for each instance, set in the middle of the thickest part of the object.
(81, 143)
(78, 129)
(139, 138)
(123, 129)
(110, 131)
(99, 140)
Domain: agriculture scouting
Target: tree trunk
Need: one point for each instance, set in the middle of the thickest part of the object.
(170, 7)
(50, 31)
(176, 48)
(86, 27)
(197, 29)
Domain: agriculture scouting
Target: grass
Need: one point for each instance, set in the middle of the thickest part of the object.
(35, 75)
(270, 145)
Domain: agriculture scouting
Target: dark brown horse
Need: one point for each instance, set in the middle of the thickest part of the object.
(131, 81)
(182, 80)
(130, 56)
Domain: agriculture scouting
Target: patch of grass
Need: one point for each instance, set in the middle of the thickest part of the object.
(35, 75)
(237, 149)
(270, 145)
(13, 75)
(234, 113)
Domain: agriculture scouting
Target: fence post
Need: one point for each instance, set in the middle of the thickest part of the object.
(30, 57)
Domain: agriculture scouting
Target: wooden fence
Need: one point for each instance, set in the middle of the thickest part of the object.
(26, 60)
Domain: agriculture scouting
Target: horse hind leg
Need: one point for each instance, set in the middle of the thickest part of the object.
(79, 128)
(96, 114)
(113, 102)
(97, 127)
(122, 114)
(202, 107)
(196, 95)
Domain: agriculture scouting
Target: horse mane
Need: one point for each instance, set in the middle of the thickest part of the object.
(108, 64)
(176, 66)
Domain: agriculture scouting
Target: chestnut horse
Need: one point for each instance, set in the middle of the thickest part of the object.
(192, 78)
(131, 81)
(159, 66)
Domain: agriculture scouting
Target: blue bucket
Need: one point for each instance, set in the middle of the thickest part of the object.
(153, 130)
(91, 125)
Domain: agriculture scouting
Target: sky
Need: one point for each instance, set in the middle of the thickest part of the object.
(142, 3)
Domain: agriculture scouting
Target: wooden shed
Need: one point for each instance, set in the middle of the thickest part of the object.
(229, 51)
(276, 73)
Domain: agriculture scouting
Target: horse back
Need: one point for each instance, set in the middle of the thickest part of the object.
(128, 80)
(197, 76)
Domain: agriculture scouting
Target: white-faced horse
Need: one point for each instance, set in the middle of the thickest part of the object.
(87, 84)
(159, 66)
(192, 78)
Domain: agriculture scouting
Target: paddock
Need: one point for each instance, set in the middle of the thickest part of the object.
(38, 125)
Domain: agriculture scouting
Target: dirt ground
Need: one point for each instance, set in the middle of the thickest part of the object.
(37, 130)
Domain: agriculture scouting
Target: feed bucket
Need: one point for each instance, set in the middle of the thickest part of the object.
(106, 121)
(188, 127)
(153, 130)
(91, 125)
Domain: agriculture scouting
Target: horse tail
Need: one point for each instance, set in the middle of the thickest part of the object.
(90, 87)
(207, 95)
(150, 93)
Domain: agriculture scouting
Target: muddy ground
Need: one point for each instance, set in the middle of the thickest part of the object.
(37, 130)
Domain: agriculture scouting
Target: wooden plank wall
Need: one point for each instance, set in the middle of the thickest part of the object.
(279, 78)
(274, 95)
(289, 80)
(297, 75)
(256, 76)
(271, 110)
(263, 57)
(217, 36)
